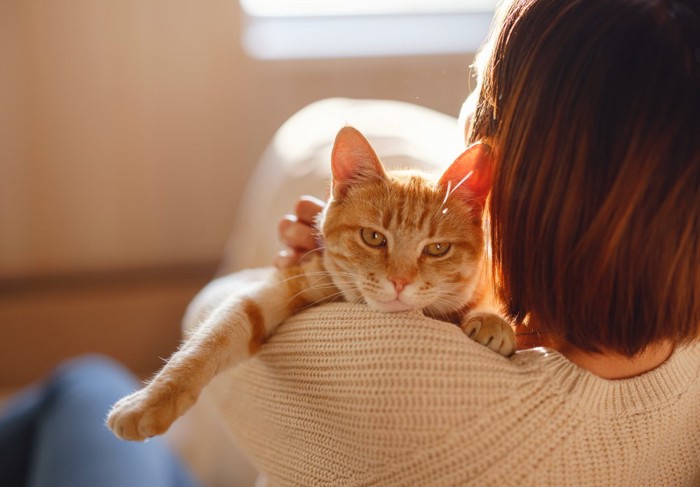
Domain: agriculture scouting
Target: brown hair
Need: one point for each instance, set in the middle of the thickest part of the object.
(593, 108)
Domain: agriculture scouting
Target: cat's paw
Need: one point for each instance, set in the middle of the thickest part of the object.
(490, 330)
(148, 412)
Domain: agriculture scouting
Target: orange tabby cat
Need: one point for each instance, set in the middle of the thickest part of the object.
(397, 241)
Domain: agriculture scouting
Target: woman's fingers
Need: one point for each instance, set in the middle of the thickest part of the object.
(297, 235)
(297, 232)
(307, 208)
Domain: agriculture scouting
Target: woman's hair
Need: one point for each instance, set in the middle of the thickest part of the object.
(593, 108)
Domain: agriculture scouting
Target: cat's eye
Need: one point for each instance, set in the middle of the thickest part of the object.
(436, 249)
(373, 238)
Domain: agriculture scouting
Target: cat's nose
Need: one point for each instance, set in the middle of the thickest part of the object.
(399, 283)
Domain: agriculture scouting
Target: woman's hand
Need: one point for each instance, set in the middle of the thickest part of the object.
(297, 232)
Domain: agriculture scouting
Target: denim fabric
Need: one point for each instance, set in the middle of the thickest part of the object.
(54, 434)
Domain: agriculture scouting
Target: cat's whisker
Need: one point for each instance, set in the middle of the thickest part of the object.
(447, 305)
(454, 299)
(329, 273)
(316, 285)
(442, 314)
(451, 190)
(447, 195)
(328, 298)
(349, 274)
(321, 274)
(317, 249)
(451, 297)
(296, 276)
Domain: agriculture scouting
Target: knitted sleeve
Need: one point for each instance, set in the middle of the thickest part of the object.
(343, 395)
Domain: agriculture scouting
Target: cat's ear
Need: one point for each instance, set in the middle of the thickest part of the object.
(353, 161)
(470, 176)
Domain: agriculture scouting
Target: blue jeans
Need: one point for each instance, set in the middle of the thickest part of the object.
(54, 434)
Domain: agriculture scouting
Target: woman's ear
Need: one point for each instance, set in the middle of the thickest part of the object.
(353, 161)
(470, 176)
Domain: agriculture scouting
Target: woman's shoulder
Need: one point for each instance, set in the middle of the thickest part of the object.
(357, 344)
(348, 393)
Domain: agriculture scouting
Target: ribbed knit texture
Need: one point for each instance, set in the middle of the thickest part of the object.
(343, 395)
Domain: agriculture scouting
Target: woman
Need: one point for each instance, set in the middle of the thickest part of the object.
(592, 108)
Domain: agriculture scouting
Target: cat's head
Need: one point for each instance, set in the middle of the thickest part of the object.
(402, 240)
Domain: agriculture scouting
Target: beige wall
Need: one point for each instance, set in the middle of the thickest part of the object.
(129, 127)
(127, 131)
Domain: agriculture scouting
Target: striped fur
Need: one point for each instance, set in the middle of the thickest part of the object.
(411, 210)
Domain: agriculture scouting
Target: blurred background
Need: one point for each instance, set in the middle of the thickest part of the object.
(128, 130)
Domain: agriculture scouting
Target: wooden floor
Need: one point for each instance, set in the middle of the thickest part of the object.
(133, 316)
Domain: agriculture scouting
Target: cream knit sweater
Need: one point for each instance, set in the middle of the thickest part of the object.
(343, 395)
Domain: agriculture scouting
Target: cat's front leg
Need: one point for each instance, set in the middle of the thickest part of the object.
(490, 330)
(234, 331)
(152, 410)
(224, 339)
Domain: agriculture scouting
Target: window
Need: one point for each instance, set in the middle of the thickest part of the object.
(292, 8)
(289, 29)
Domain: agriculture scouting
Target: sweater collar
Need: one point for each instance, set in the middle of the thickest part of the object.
(603, 397)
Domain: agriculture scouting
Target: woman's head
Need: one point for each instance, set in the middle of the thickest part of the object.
(593, 108)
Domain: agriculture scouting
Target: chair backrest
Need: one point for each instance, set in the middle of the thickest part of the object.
(297, 162)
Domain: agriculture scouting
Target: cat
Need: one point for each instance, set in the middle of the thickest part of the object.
(396, 241)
